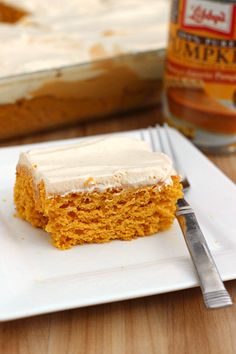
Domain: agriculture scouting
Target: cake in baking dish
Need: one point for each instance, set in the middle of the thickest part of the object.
(97, 191)
(64, 62)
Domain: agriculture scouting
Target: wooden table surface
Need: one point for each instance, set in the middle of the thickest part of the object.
(169, 323)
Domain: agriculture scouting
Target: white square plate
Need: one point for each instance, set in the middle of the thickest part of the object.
(37, 278)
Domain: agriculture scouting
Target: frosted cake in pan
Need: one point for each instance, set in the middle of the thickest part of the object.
(95, 58)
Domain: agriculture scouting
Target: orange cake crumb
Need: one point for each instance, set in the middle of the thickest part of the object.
(92, 215)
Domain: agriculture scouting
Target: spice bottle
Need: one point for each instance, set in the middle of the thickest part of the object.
(200, 73)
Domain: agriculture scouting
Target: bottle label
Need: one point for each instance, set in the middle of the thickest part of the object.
(200, 78)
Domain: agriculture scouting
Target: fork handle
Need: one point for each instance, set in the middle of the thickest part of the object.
(214, 293)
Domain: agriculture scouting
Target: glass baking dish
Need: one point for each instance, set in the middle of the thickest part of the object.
(51, 98)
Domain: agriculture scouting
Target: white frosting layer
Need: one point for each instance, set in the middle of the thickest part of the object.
(58, 33)
(101, 164)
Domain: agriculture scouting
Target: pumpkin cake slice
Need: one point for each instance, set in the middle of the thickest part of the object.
(97, 191)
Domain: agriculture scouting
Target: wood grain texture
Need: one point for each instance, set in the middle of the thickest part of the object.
(173, 323)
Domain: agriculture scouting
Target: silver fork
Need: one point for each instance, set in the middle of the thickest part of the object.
(214, 293)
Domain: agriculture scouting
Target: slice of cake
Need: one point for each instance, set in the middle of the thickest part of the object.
(97, 191)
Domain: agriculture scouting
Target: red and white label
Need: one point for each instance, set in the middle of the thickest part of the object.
(203, 14)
